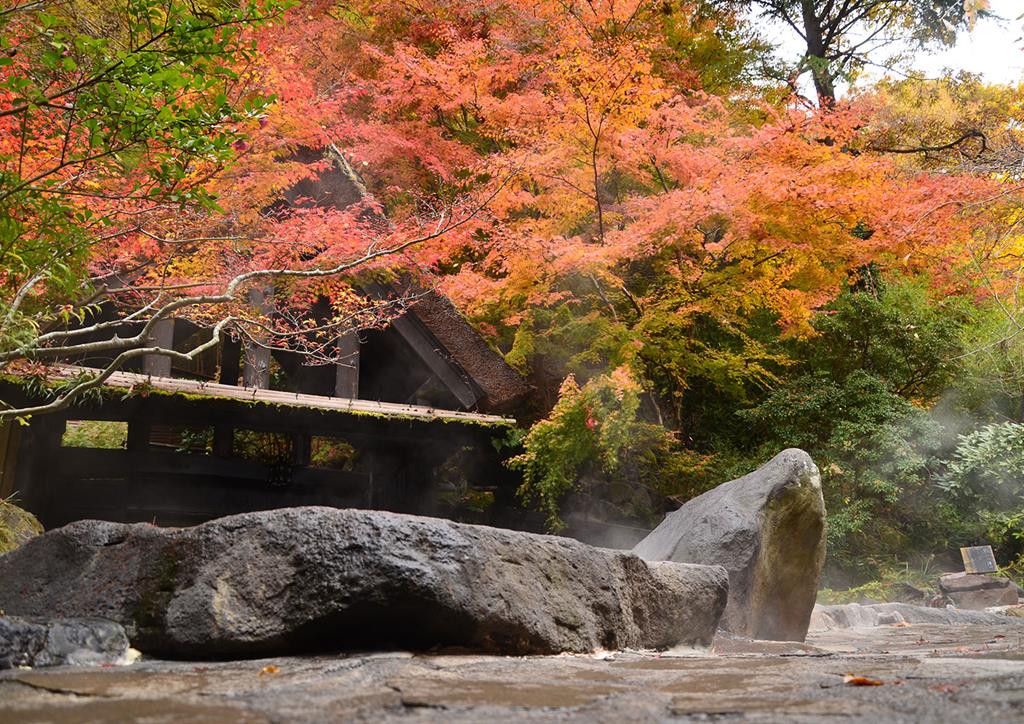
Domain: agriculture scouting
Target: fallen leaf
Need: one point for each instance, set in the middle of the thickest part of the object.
(854, 680)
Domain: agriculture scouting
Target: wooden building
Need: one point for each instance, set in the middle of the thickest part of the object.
(405, 421)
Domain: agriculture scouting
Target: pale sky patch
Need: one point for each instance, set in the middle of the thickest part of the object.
(994, 50)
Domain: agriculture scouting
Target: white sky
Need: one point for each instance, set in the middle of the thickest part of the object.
(994, 49)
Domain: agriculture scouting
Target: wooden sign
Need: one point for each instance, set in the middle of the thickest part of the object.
(979, 559)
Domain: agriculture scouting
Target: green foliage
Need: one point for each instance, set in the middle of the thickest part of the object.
(720, 397)
(875, 450)
(109, 108)
(894, 331)
(593, 428)
(990, 384)
(333, 453)
(268, 448)
(1004, 531)
(988, 464)
(893, 583)
(104, 434)
(985, 474)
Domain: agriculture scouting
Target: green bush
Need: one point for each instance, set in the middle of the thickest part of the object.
(594, 432)
(876, 452)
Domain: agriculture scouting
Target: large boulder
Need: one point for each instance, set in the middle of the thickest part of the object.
(976, 591)
(768, 530)
(58, 642)
(304, 579)
(17, 526)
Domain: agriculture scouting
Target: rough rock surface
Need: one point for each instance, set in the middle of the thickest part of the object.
(17, 526)
(320, 578)
(56, 642)
(768, 530)
(932, 674)
(976, 591)
(855, 615)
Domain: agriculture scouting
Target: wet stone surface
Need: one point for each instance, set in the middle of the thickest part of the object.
(930, 673)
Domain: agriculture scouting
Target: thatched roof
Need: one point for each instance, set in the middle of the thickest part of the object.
(499, 387)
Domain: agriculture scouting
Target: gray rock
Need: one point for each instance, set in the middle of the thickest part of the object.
(854, 615)
(56, 642)
(304, 579)
(768, 530)
(976, 591)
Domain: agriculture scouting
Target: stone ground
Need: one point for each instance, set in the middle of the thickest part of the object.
(930, 673)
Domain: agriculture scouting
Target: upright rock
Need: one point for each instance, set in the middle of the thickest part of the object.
(768, 530)
(302, 579)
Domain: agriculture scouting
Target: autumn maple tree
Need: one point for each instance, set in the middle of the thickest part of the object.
(142, 147)
(644, 220)
(655, 224)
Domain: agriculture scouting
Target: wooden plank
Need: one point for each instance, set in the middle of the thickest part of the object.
(127, 380)
(195, 498)
(85, 464)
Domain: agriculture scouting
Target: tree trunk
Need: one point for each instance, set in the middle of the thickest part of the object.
(824, 82)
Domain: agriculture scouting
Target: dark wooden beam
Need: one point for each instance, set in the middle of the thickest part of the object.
(10, 438)
(139, 431)
(436, 360)
(223, 440)
(230, 361)
(432, 352)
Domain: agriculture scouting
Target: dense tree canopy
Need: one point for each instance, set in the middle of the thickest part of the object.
(693, 266)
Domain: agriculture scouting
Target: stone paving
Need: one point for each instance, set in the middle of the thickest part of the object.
(929, 673)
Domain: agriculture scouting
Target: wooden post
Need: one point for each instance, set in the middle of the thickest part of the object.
(256, 370)
(139, 429)
(302, 446)
(223, 440)
(10, 438)
(162, 336)
(230, 361)
(346, 383)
